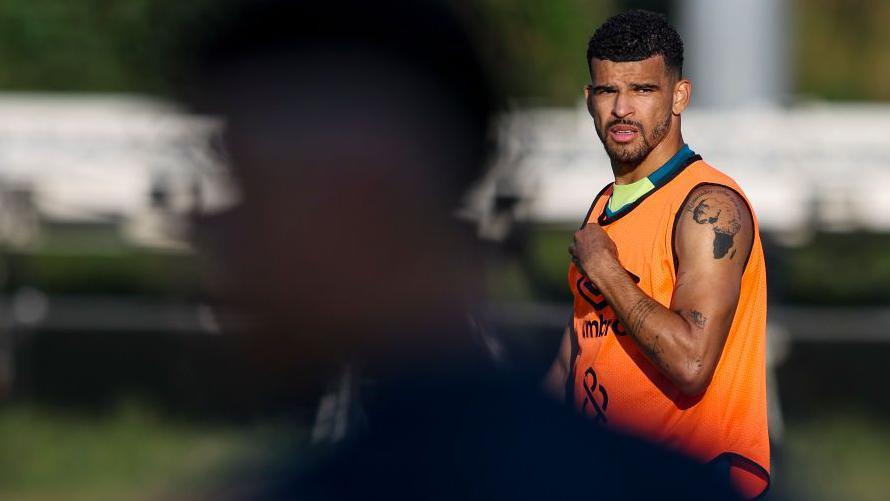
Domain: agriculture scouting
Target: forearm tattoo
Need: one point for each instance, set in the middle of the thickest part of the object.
(636, 318)
(639, 313)
(695, 365)
(723, 213)
(695, 317)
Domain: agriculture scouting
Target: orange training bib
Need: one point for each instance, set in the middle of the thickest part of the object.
(613, 382)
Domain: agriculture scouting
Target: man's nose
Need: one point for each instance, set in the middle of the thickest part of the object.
(622, 106)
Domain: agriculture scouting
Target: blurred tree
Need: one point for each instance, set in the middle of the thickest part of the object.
(537, 49)
(119, 45)
(842, 49)
(88, 45)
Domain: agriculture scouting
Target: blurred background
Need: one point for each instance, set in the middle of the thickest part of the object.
(117, 379)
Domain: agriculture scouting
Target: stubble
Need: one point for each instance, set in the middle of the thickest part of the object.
(634, 154)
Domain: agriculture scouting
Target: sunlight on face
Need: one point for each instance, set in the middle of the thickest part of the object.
(631, 104)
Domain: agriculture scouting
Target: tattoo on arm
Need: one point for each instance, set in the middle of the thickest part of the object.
(654, 350)
(636, 317)
(696, 317)
(639, 313)
(695, 365)
(723, 213)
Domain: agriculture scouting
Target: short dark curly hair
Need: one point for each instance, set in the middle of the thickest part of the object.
(636, 35)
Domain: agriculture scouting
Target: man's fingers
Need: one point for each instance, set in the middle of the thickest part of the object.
(573, 255)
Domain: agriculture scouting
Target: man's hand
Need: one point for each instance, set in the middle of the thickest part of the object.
(593, 251)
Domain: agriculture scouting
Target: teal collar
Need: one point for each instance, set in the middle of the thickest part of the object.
(662, 174)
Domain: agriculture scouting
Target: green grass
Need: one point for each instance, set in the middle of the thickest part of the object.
(118, 270)
(130, 453)
(842, 456)
(135, 452)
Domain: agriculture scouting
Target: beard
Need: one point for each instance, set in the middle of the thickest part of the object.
(637, 151)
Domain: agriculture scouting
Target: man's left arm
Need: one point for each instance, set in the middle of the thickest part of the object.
(714, 236)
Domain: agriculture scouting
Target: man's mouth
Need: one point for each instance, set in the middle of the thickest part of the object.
(623, 133)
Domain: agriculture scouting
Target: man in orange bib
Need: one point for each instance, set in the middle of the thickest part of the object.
(668, 336)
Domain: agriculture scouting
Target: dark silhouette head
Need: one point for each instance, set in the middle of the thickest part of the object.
(353, 129)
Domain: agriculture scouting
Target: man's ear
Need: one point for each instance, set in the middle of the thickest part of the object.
(682, 96)
(588, 90)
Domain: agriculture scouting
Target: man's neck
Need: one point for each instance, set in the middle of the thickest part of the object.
(629, 173)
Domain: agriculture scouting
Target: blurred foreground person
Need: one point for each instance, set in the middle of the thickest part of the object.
(353, 129)
(668, 335)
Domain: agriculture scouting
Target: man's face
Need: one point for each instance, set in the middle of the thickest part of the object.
(632, 104)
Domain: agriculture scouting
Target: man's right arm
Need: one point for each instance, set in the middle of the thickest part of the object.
(555, 381)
